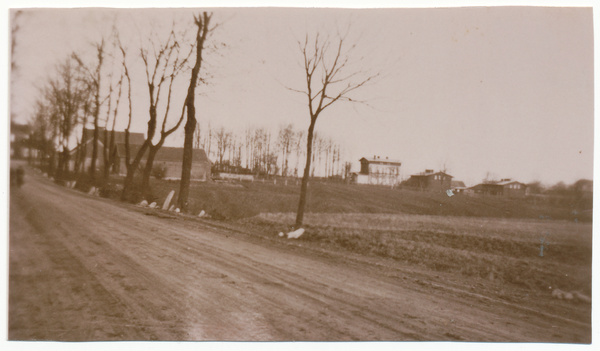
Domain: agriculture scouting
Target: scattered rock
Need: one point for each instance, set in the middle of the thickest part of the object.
(295, 234)
(581, 297)
(168, 200)
(172, 208)
(558, 294)
(177, 210)
(568, 296)
(574, 296)
(202, 214)
(144, 203)
(152, 205)
(92, 191)
(280, 233)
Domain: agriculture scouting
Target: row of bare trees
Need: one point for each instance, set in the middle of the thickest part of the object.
(265, 152)
(84, 95)
(88, 92)
(67, 101)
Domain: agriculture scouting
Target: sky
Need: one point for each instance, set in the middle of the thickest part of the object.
(500, 92)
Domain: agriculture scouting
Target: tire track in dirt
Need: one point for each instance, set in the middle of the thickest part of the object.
(355, 312)
(270, 280)
(53, 281)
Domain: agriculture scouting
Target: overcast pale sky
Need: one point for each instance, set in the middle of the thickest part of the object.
(504, 90)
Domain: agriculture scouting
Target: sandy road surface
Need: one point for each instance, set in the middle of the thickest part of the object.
(85, 268)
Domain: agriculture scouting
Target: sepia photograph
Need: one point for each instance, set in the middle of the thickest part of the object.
(291, 174)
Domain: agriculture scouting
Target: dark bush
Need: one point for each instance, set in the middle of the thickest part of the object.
(159, 171)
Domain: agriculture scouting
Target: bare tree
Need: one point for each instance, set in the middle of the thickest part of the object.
(94, 80)
(347, 170)
(65, 95)
(14, 29)
(131, 167)
(57, 115)
(299, 150)
(223, 138)
(82, 142)
(190, 125)
(198, 137)
(161, 68)
(168, 72)
(43, 134)
(285, 142)
(259, 150)
(108, 150)
(329, 79)
(13, 45)
(209, 139)
(248, 145)
(238, 158)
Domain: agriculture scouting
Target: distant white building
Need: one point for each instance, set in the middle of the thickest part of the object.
(378, 171)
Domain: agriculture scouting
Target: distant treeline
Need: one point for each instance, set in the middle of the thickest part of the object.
(259, 151)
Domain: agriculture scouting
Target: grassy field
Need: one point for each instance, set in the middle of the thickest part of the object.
(505, 250)
(238, 200)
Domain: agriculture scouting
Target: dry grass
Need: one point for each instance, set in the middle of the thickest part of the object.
(232, 200)
(493, 248)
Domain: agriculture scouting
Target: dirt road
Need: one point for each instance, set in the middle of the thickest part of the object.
(86, 268)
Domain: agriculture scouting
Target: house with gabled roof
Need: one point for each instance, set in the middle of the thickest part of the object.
(134, 138)
(88, 146)
(170, 159)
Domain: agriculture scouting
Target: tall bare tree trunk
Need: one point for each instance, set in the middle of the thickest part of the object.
(190, 125)
(148, 169)
(100, 49)
(131, 168)
(304, 185)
